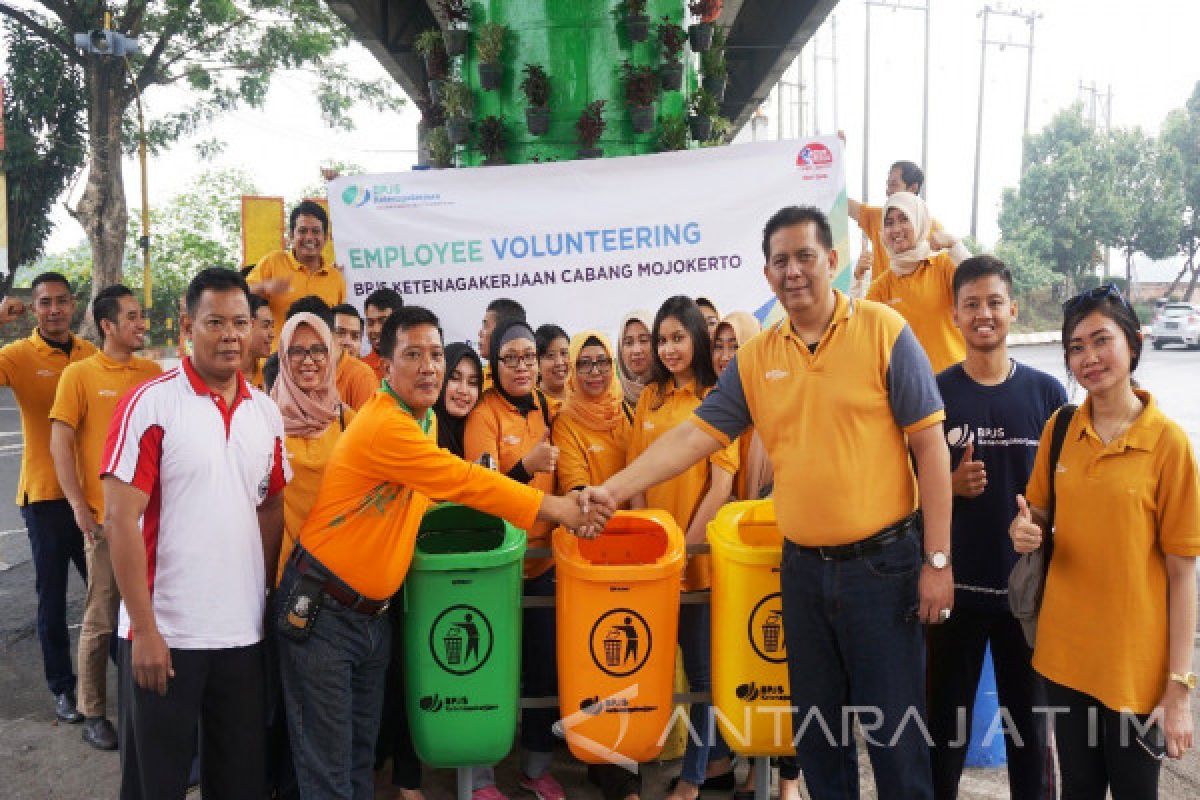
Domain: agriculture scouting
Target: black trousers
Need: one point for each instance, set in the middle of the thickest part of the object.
(395, 738)
(224, 691)
(956, 650)
(1101, 750)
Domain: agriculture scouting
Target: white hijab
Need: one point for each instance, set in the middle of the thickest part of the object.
(914, 209)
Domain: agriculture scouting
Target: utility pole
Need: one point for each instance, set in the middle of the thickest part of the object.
(833, 61)
(834, 58)
(894, 5)
(1029, 19)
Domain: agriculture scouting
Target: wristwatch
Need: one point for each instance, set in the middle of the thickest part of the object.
(1188, 679)
(937, 559)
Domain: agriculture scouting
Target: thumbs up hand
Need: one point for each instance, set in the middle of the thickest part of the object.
(1026, 534)
(542, 458)
(969, 478)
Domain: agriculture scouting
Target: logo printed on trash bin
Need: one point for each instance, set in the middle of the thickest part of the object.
(460, 639)
(765, 629)
(430, 702)
(620, 642)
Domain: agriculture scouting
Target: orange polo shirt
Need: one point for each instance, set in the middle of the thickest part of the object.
(834, 421)
(378, 483)
(926, 299)
(682, 494)
(356, 382)
(870, 222)
(495, 426)
(1103, 627)
(307, 458)
(87, 395)
(326, 283)
(376, 363)
(587, 457)
(32, 368)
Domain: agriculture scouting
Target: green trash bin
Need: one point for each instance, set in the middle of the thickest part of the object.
(462, 637)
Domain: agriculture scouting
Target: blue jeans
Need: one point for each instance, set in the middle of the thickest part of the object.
(333, 696)
(695, 640)
(855, 645)
(57, 543)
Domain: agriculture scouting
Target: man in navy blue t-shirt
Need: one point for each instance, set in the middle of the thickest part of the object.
(995, 412)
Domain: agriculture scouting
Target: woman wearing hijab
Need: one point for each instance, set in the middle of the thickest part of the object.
(755, 474)
(512, 425)
(920, 282)
(460, 395)
(635, 359)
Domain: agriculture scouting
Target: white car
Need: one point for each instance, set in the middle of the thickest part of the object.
(1177, 323)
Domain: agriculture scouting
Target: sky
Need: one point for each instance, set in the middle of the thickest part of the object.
(1144, 50)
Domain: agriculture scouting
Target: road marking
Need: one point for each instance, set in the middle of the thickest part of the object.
(11, 447)
(14, 530)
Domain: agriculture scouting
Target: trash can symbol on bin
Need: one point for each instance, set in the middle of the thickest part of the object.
(612, 648)
(770, 631)
(462, 628)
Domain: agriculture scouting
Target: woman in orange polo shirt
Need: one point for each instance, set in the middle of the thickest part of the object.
(634, 356)
(512, 425)
(1118, 616)
(554, 363)
(682, 375)
(920, 282)
(755, 474)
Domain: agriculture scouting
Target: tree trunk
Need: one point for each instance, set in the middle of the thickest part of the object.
(101, 211)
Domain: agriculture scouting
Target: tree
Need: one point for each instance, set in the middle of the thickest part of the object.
(225, 52)
(1147, 192)
(43, 120)
(1063, 208)
(1181, 134)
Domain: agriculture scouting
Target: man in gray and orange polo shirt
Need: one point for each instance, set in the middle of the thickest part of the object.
(840, 391)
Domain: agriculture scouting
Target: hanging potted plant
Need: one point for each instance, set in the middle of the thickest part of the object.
(589, 129)
(641, 89)
(671, 37)
(457, 14)
(441, 151)
(437, 64)
(637, 23)
(700, 34)
(536, 87)
(457, 102)
(713, 66)
(492, 140)
(489, 45)
(673, 133)
(719, 133)
(704, 109)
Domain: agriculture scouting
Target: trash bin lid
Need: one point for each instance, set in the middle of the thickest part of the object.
(455, 537)
(634, 546)
(747, 532)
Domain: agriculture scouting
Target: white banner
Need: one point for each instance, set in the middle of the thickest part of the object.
(582, 243)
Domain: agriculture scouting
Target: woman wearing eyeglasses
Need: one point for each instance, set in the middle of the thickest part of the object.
(1118, 616)
(512, 425)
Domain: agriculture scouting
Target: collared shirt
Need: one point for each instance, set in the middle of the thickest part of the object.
(87, 396)
(834, 421)
(658, 412)
(588, 457)
(870, 222)
(206, 467)
(1119, 507)
(356, 381)
(376, 363)
(326, 283)
(925, 299)
(32, 367)
(377, 486)
(497, 428)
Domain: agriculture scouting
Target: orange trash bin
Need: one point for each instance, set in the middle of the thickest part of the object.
(618, 616)
(750, 687)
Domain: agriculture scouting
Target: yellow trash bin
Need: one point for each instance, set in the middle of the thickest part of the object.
(618, 615)
(750, 689)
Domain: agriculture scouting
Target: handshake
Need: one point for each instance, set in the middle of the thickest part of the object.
(585, 511)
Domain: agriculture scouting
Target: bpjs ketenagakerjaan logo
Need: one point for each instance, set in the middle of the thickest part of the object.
(386, 194)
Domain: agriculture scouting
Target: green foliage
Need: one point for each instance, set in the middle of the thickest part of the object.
(45, 127)
(1148, 194)
(489, 44)
(1181, 135)
(673, 133)
(720, 130)
(671, 37)
(641, 85)
(455, 12)
(703, 104)
(536, 85)
(441, 152)
(712, 60)
(428, 41)
(457, 100)
(432, 48)
(591, 124)
(635, 8)
(492, 136)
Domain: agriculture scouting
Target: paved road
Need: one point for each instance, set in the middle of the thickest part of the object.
(42, 761)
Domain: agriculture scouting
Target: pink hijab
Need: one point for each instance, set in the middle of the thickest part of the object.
(306, 413)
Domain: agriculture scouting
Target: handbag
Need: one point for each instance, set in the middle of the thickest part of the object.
(1027, 581)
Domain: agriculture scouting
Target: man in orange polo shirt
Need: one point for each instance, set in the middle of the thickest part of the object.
(284, 276)
(838, 389)
(355, 380)
(32, 367)
(83, 406)
(355, 549)
(378, 306)
(261, 344)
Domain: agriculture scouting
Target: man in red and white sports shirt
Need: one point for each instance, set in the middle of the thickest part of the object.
(197, 456)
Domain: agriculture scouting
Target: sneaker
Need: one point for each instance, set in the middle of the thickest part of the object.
(545, 787)
(488, 793)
